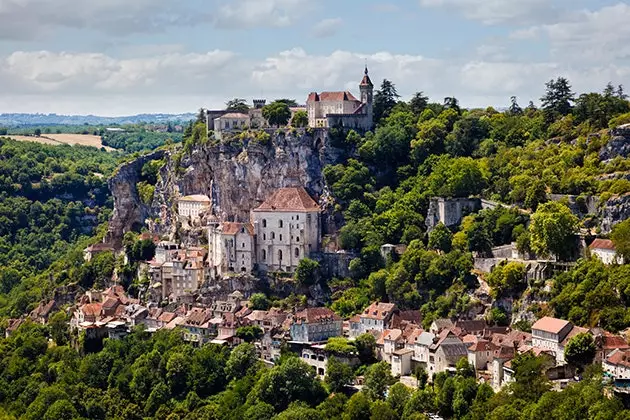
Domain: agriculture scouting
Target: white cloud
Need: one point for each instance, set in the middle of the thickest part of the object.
(29, 19)
(175, 82)
(327, 27)
(492, 12)
(237, 14)
(599, 35)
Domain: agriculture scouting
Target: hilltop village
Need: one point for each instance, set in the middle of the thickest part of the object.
(265, 274)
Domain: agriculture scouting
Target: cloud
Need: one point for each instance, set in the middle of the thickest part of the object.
(237, 14)
(327, 27)
(30, 19)
(600, 35)
(492, 12)
(63, 82)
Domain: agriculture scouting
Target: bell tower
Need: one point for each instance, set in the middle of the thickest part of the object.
(367, 95)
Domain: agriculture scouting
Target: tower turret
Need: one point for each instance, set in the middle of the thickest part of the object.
(367, 88)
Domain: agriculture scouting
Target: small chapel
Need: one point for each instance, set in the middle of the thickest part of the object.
(342, 109)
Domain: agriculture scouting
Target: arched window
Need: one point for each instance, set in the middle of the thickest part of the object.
(279, 255)
(264, 236)
(243, 245)
(273, 235)
(264, 223)
(280, 224)
(264, 255)
(297, 252)
(297, 239)
(281, 236)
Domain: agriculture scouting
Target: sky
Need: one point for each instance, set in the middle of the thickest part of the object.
(121, 57)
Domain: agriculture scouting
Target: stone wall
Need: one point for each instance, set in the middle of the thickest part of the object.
(450, 211)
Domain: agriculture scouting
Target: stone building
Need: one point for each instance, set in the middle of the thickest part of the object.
(332, 109)
(230, 248)
(313, 325)
(605, 251)
(287, 229)
(192, 205)
(549, 333)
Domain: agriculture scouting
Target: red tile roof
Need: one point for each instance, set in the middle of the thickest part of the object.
(610, 341)
(289, 199)
(549, 324)
(619, 357)
(312, 315)
(93, 309)
(378, 310)
(332, 96)
(482, 345)
(603, 244)
(232, 228)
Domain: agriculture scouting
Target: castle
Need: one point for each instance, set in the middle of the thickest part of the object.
(342, 109)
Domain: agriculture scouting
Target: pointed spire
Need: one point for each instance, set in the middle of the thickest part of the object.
(366, 79)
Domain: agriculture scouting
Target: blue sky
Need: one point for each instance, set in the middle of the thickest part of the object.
(113, 57)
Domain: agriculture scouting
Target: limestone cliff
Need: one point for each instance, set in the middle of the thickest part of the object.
(238, 174)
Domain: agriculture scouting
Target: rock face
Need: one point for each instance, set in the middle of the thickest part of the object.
(616, 210)
(129, 211)
(238, 174)
(619, 144)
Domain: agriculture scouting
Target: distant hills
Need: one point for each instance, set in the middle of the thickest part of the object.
(13, 120)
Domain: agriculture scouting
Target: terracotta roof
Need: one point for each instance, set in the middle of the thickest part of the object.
(610, 341)
(234, 115)
(574, 331)
(197, 198)
(166, 317)
(549, 324)
(482, 345)
(232, 228)
(257, 315)
(110, 303)
(311, 315)
(392, 335)
(332, 96)
(619, 357)
(602, 244)
(471, 325)
(378, 310)
(289, 199)
(355, 319)
(91, 309)
(442, 323)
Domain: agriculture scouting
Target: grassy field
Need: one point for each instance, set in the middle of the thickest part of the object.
(72, 139)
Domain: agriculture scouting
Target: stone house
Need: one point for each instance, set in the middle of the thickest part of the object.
(617, 364)
(287, 229)
(95, 249)
(191, 206)
(232, 121)
(313, 325)
(401, 362)
(548, 333)
(43, 311)
(446, 352)
(481, 353)
(606, 251)
(231, 248)
(376, 318)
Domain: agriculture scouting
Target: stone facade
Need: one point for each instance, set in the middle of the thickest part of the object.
(342, 109)
(192, 205)
(450, 211)
(287, 228)
(314, 325)
(230, 248)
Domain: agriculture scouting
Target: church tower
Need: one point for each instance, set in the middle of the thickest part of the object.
(367, 95)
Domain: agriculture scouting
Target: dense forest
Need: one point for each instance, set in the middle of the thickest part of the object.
(54, 201)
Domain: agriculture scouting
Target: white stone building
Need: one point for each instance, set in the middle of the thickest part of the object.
(617, 364)
(314, 325)
(287, 229)
(376, 317)
(548, 333)
(232, 121)
(230, 248)
(605, 251)
(330, 109)
(191, 206)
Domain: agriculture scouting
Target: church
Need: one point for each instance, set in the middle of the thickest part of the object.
(342, 109)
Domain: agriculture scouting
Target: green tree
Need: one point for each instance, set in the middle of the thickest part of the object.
(259, 301)
(237, 105)
(307, 272)
(58, 324)
(242, 360)
(580, 349)
(358, 407)
(441, 238)
(558, 98)
(514, 108)
(38, 132)
(384, 100)
(249, 333)
(621, 238)
(300, 119)
(338, 375)
(366, 347)
(276, 113)
(260, 411)
(397, 397)
(380, 410)
(61, 410)
(530, 381)
(418, 103)
(553, 228)
(177, 373)
(377, 378)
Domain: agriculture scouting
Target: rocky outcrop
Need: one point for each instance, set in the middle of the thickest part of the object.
(615, 210)
(618, 145)
(239, 173)
(129, 210)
